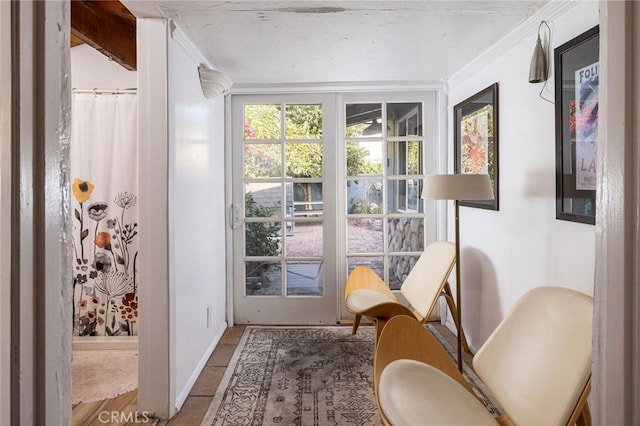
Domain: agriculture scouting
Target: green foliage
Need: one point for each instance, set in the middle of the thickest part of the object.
(303, 121)
(262, 122)
(357, 163)
(304, 160)
(366, 207)
(261, 238)
(413, 158)
(262, 160)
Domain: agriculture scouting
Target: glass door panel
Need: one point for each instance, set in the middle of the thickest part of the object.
(385, 217)
(279, 259)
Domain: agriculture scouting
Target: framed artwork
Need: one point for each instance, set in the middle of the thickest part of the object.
(576, 80)
(476, 140)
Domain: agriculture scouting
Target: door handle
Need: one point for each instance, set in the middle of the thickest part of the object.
(237, 216)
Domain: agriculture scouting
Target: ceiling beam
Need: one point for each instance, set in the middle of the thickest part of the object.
(108, 27)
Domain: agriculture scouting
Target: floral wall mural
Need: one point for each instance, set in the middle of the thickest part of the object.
(105, 217)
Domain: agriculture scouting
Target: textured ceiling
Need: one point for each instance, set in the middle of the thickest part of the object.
(348, 41)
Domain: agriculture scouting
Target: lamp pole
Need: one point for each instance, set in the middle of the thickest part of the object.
(458, 287)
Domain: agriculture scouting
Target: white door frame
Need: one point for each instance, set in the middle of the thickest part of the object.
(5, 213)
(40, 223)
(616, 343)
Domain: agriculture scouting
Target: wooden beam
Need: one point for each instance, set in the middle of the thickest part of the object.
(105, 26)
(75, 41)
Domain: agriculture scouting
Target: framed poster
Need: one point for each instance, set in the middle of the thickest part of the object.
(476, 140)
(576, 79)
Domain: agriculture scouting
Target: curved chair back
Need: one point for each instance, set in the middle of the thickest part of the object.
(424, 283)
(538, 361)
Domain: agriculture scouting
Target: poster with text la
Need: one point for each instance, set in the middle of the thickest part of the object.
(586, 121)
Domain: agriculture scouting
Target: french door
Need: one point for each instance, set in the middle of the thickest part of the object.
(321, 184)
(284, 168)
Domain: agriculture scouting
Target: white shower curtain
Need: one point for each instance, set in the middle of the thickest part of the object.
(104, 174)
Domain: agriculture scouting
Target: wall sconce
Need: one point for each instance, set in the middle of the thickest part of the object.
(539, 71)
(214, 83)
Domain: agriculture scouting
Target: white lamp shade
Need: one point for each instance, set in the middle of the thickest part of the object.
(463, 187)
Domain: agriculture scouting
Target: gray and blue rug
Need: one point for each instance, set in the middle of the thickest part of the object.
(301, 376)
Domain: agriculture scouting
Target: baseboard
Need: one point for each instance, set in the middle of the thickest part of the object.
(97, 343)
(182, 396)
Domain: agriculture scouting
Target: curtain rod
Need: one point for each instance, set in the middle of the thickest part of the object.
(105, 91)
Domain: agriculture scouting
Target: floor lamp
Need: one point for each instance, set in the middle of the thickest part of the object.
(458, 187)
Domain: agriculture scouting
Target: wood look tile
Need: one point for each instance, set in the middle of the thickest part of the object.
(221, 355)
(192, 411)
(208, 382)
(232, 335)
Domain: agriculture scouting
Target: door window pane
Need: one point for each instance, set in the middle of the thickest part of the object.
(262, 160)
(263, 279)
(262, 122)
(364, 235)
(404, 119)
(303, 160)
(262, 238)
(307, 199)
(405, 234)
(404, 158)
(399, 268)
(263, 199)
(374, 263)
(364, 196)
(304, 239)
(303, 121)
(363, 120)
(364, 158)
(305, 278)
(403, 196)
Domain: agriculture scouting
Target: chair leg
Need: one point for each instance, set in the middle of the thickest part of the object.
(452, 307)
(380, 323)
(584, 419)
(356, 323)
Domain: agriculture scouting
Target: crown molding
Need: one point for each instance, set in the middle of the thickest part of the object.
(181, 39)
(342, 87)
(549, 13)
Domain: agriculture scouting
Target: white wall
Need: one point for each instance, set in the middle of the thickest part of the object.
(522, 246)
(196, 216)
(90, 69)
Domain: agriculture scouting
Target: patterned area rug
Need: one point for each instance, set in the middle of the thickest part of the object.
(299, 376)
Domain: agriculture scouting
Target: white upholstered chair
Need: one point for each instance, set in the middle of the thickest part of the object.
(537, 364)
(367, 295)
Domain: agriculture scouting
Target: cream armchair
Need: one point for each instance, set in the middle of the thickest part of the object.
(537, 364)
(367, 295)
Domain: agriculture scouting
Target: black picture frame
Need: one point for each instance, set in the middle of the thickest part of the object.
(476, 141)
(576, 108)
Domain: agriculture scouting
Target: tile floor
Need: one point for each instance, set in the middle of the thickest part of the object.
(201, 395)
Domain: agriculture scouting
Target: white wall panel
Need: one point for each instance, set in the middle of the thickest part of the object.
(196, 216)
(522, 246)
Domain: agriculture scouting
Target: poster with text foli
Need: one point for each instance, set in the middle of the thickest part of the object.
(586, 122)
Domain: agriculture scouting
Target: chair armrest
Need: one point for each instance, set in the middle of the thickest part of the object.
(413, 393)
